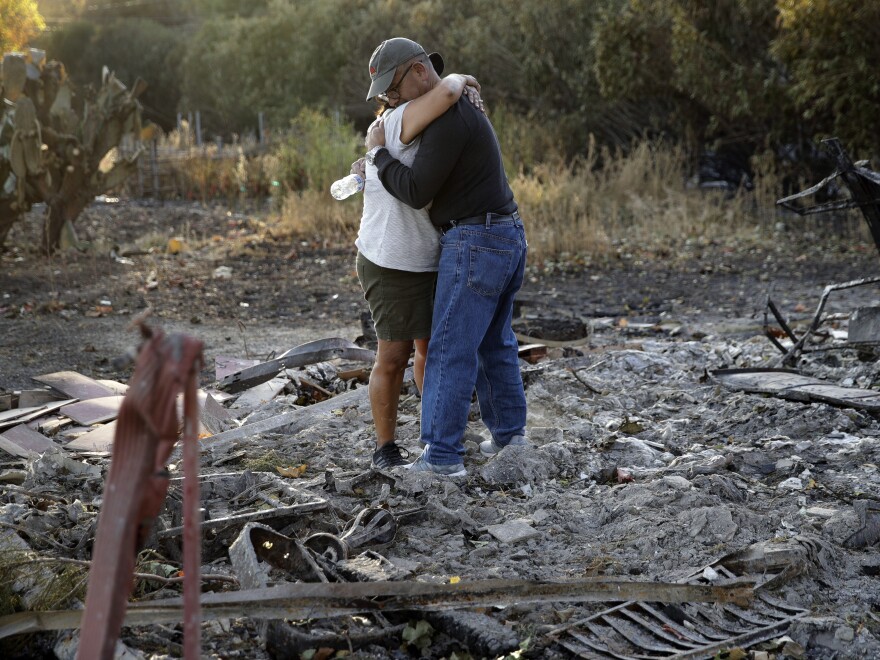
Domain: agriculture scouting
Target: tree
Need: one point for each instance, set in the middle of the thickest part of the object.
(21, 22)
(291, 57)
(132, 48)
(831, 50)
(52, 154)
(706, 66)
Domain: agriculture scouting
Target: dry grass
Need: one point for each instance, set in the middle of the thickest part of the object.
(315, 215)
(584, 209)
(640, 198)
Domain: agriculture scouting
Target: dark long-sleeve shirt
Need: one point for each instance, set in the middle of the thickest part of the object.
(458, 166)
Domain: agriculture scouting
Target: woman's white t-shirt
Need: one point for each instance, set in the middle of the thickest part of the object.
(392, 234)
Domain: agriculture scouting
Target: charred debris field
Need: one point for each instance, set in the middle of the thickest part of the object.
(668, 461)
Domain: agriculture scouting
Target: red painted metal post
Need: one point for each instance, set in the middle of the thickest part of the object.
(192, 542)
(146, 432)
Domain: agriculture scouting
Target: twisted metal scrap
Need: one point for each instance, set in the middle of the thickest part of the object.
(136, 486)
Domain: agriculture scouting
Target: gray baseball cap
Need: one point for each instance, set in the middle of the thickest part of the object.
(389, 55)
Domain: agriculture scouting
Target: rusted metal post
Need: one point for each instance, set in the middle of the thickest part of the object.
(192, 542)
(136, 486)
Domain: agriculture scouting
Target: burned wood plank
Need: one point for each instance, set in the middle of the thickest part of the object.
(14, 413)
(50, 425)
(99, 439)
(31, 398)
(315, 600)
(299, 356)
(94, 411)
(75, 385)
(116, 386)
(212, 415)
(31, 414)
(25, 442)
(790, 385)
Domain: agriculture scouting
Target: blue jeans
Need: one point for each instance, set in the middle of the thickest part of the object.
(472, 343)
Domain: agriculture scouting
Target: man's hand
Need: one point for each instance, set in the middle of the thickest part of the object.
(359, 167)
(375, 134)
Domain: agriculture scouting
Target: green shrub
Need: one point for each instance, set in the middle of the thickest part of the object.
(318, 149)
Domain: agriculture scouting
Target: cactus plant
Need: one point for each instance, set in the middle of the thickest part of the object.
(49, 153)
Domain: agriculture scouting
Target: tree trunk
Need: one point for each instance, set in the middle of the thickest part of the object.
(64, 206)
(8, 217)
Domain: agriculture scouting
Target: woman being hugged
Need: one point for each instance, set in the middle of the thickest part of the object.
(398, 247)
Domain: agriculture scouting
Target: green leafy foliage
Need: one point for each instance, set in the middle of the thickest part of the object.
(227, 8)
(703, 70)
(419, 634)
(21, 21)
(132, 48)
(831, 49)
(318, 149)
(754, 74)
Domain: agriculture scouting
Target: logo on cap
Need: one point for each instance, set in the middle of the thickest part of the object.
(372, 71)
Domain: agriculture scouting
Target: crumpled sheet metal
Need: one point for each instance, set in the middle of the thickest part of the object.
(694, 630)
(308, 353)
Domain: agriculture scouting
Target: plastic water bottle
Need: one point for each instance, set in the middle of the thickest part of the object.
(347, 186)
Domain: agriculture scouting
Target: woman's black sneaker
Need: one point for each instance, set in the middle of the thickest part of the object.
(389, 456)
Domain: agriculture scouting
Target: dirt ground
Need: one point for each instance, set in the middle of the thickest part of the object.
(72, 311)
(641, 465)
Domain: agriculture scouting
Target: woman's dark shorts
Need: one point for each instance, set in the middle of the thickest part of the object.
(401, 301)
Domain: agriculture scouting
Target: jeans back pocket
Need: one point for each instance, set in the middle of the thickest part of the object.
(489, 269)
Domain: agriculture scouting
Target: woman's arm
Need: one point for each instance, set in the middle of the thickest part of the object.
(422, 111)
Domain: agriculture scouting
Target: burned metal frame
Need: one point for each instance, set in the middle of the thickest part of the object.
(864, 188)
(862, 183)
(791, 355)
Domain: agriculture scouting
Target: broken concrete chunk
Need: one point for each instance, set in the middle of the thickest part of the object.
(676, 482)
(56, 465)
(709, 523)
(542, 435)
(792, 483)
(513, 532)
(519, 465)
(820, 512)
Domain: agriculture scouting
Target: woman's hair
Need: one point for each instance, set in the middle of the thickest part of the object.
(382, 109)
